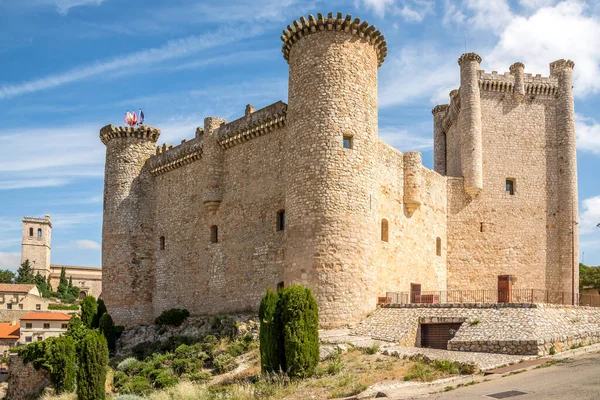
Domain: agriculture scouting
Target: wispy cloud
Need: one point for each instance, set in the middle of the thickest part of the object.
(590, 216)
(69, 220)
(405, 140)
(87, 245)
(10, 260)
(588, 134)
(61, 6)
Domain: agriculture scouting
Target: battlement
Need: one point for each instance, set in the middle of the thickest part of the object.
(304, 27)
(110, 132)
(168, 157)
(254, 124)
(45, 220)
(495, 82)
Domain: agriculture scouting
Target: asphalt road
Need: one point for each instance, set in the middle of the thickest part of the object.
(575, 378)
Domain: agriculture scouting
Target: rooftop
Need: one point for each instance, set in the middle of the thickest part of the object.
(46, 316)
(16, 288)
(9, 331)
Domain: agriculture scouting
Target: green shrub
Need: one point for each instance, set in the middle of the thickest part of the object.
(89, 308)
(187, 365)
(552, 350)
(93, 362)
(34, 353)
(172, 317)
(120, 379)
(70, 307)
(237, 348)
(107, 328)
(419, 371)
(224, 363)
(299, 324)
(139, 385)
(60, 361)
(373, 349)
(200, 376)
(101, 310)
(269, 337)
(145, 349)
(216, 322)
(165, 380)
(128, 364)
(336, 365)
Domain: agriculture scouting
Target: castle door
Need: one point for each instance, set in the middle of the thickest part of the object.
(415, 292)
(504, 288)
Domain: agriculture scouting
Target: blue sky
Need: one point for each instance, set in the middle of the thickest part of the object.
(70, 67)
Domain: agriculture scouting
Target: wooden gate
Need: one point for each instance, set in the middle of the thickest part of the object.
(436, 336)
(504, 289)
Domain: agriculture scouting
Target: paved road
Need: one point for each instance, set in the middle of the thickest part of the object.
(576, 378)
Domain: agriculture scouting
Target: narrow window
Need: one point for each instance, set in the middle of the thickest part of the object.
(438, 246)
(46, 325)
(38, 307)
(28, 339)
(510, 186)
(384, 230)
(347, 142)
(482, 227)
(63, 326)
(39, 232)
(162, 242)
(9, 306)
(214, 234)
(40, 338)
(280, 220)
(21, 306)
(30, 231)
(280, 286)
(28, 325)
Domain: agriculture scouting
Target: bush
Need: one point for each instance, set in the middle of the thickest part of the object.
(373, 349)
(237, 348)
(165, 380)
(187, 365)
(200, 376)
(269, 346)
(107, 327)
(93, 360)
(299, 323)
(89, 308)
(172, 317)
(224, 363)
(128, 364)
(120, 379)
(60, 361)
(139, 385)
(101, 310)
(69, 307)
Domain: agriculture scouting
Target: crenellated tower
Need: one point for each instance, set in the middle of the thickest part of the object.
(128, 244)
(35, 245)
(331, 197)
(213, 159)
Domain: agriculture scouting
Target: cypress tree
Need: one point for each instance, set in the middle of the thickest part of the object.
(299, 322)
(99, 313)
(25, 273)
(269, 337)
(70, 282)
(89, 309)
(93, 360)
(61, 358)
(62, 283)
(49, 284)
(107, 328)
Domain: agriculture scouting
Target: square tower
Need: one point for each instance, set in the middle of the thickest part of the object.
(35, 245)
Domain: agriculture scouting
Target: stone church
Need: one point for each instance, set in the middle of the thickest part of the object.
(306, 192)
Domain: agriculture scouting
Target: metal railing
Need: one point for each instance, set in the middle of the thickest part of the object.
(490, 296)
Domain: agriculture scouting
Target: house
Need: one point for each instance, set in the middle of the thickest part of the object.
(37, 326)
(21, 297)
(9, 335)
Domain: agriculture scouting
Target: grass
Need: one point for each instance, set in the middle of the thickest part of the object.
(474, 322)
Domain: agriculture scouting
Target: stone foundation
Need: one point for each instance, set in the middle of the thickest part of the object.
(24, 382)
(526, 329)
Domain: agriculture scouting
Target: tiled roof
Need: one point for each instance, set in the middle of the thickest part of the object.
(46, 316)
(9, 331)
(15, 288)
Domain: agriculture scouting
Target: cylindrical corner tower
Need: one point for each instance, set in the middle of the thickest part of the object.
(567, 177)
(471, 151)
(332, 228)
(412, 180)
(518, 71)
(439, 139)
(212, 154)
(127, 230)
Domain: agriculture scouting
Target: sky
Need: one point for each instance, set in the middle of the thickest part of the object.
(69, 67)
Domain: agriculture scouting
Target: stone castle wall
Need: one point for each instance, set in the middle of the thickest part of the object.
(24, 382)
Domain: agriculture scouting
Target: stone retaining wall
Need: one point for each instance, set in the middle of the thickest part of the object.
(492, 328)
(24, 382)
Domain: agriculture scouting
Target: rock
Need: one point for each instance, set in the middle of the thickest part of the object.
(326, 352)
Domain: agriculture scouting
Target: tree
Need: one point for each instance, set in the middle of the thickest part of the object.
(76, 330)
(49, 283)
(93, 362)
(589, 277)
(299, 324)
(7, 276)
(269, 338)
(89, 309)
(60, 360)
(107, 328)
(70, 282)
(25, 273)
(63, 284)
(101, 311)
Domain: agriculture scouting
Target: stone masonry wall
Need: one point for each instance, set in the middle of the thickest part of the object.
(24, 382)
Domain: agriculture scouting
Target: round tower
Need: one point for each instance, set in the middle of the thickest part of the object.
(127, 233)
(213, 160)
(332, 223)
(518, 71)
(471, 150)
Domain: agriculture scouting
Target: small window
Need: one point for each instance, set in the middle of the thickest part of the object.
(40, 338)
(482, 227)
(63, 326)
(21, 306)
(280, 286)
(438, 246)
(281, 220)
(214, 234)
(39, 233)
(162, 242)
(30, 231)
(28, 339)
(28, 325)
(46, 325)
(38, 307)
(510, 186)
(384, 230)
(347, 142)
(9, 306)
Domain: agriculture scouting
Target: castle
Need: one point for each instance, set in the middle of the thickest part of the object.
(306, 193)
(36, 247)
